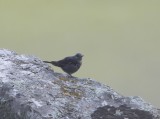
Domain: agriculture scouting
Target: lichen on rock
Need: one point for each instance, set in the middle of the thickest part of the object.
(30, 89)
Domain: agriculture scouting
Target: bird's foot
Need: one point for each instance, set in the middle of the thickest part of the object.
(70, 76)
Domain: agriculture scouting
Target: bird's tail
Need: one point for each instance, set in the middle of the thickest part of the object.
(52, 62)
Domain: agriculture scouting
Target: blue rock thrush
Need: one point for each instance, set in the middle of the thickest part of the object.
(69, 64)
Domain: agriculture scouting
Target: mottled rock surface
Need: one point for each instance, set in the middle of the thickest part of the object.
(30, 89)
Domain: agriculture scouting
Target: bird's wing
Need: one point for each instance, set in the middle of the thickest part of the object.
(68, 60)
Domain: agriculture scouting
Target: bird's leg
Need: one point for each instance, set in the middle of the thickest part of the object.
(70, 76)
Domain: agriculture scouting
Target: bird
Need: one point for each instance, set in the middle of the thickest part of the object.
(70, 64)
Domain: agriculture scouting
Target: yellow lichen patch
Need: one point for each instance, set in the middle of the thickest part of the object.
(64, 78)
(71, 92)
(68, 79)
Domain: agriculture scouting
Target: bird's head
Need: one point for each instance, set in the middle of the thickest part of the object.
(79, 56)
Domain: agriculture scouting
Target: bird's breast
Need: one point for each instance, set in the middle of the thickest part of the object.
(71, 68)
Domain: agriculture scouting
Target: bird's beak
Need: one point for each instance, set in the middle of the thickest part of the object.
(82, 55)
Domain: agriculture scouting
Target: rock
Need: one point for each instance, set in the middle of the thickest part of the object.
(30, 89)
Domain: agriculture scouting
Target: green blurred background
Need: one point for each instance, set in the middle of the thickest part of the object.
(119, 38)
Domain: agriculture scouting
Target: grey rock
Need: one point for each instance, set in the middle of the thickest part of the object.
(30, 89)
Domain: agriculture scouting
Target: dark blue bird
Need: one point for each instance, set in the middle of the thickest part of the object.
(69, 64)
